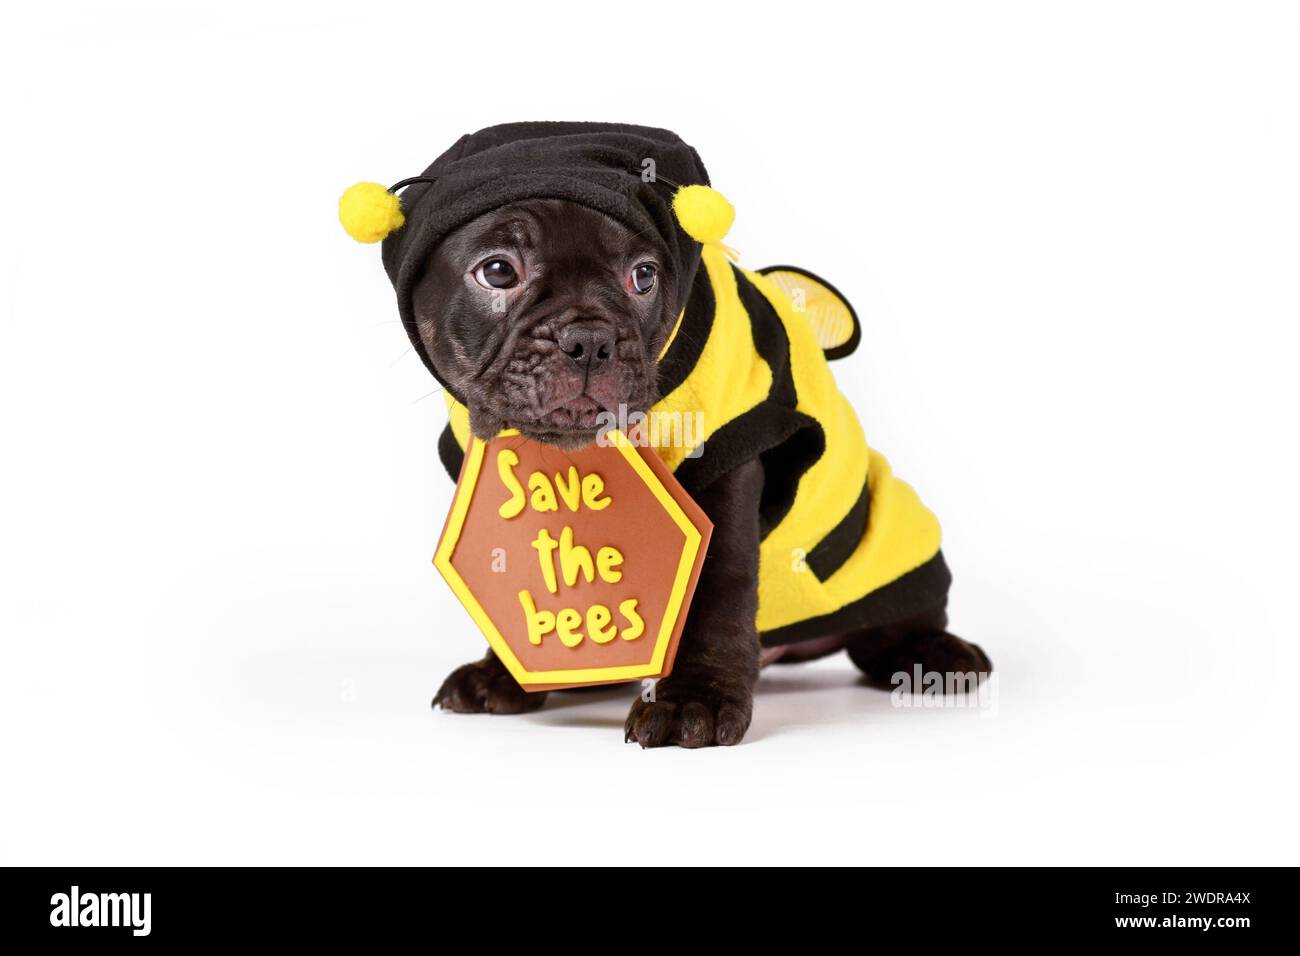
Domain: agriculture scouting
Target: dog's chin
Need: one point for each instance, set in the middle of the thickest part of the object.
(565, 440)
(571, 425)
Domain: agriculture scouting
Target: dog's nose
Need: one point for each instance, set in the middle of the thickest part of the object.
(588, 342)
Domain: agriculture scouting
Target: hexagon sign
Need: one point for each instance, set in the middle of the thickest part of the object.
(577, 566)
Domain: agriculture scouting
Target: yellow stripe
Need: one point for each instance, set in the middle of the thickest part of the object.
(730, 377)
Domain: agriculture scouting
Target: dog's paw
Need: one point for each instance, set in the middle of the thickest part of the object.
(933, 651)
(485, 687)
(689, 716)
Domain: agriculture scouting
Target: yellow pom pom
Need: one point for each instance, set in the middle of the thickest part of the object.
(369, 212)
(704, 213)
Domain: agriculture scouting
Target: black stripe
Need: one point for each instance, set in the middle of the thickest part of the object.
(839, 544)
(770, 339)
(837, 351)
(449, 450)
(923, 590)
(697, 323)
(788, 443)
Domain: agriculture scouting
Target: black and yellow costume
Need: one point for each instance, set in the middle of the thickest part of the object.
(845, 544)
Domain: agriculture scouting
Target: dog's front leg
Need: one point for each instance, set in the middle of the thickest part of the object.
(709, 697)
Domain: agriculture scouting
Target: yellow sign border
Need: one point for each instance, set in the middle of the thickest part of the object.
(456, 523)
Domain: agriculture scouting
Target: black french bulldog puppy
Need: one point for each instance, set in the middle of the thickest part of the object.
(591, 306)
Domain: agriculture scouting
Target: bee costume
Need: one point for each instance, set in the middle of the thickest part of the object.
(845, 544)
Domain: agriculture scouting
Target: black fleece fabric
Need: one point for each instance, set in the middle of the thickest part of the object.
(598, 165)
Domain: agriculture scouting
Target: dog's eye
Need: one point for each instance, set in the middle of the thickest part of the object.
(643, 278)
(496, 274)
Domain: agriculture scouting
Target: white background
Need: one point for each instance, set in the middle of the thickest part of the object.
(1071, 231)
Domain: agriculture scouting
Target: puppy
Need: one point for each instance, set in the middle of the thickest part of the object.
(552, 274)
(591, 304)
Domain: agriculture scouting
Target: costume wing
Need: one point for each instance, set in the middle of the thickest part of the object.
(832, 319)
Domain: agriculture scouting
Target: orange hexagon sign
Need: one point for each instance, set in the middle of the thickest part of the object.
(578, 566)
